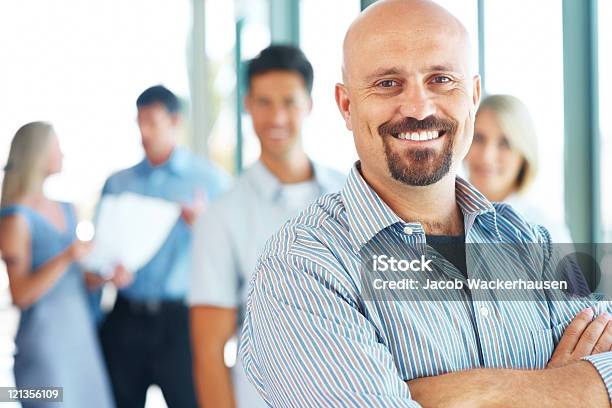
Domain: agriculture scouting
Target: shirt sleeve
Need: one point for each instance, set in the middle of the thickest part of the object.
(603, 365)
(566, 311)
(105, 188)
(305, 344)
(564, 307)
(214, 181)
(215, 278)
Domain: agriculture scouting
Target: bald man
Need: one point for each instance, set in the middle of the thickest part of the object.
(325, 328)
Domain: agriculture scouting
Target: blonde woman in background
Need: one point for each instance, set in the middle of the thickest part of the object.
(503, 160)
(56, 341)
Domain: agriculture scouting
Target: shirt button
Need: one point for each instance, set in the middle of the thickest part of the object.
(407, 230)
(484, 312)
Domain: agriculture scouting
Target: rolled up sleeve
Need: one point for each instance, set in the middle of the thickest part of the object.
(603, 365)
(215, 278)
(564, 307)
(305, 343)
(565, 311)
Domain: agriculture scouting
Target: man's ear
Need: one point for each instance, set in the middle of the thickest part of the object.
(309, 105)
(477, 91)
(343, 102)
(175, 118)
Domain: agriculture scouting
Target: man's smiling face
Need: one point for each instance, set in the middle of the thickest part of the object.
(409, 93)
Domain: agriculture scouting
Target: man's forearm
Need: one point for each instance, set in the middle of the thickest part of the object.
(213, 383)
(211, 328)
(577, 384)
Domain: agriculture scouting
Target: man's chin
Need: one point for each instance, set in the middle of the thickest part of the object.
(278, 150)
(419, 173)
(276, 139)
(416, 180)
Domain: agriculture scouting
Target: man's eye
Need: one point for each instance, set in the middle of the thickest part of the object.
(388, 83)
(441, 79)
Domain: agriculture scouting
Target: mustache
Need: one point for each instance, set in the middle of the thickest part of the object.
(414, 125)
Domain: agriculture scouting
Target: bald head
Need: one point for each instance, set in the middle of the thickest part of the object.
(405, 23)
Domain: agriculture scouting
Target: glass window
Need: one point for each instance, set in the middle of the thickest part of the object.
(605, 119)
(221, 25)
(220, 40)
(326, 138)
(467, 12)
(81, 66)
(8, 329)
(528, 63)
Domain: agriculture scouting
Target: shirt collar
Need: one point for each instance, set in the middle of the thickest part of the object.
(270, 186)
(177, 163)
(368, 214)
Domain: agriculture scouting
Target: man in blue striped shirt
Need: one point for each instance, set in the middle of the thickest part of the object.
(314, 336)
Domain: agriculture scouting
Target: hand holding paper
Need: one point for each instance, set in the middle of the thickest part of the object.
(190, 213)
(130, 230)
(121, 277)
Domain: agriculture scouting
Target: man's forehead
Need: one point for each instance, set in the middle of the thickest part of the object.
(406, 53)
(277, 82)
(155, 109)
(404, 29)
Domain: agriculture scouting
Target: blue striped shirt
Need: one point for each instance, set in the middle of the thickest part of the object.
(312, 338)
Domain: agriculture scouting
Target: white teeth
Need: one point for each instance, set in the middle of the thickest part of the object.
(420, 136)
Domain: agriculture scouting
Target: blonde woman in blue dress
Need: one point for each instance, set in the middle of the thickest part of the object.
(56, 340)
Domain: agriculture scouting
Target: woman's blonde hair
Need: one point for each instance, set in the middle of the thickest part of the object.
(25, 168)
(517, 125)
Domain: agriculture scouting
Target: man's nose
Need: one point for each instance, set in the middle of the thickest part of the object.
(416, 103)
(279, 116)
(489, 153)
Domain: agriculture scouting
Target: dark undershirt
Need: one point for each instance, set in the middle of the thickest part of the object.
(451, 247)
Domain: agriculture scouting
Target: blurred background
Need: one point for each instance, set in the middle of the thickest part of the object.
(81, 64)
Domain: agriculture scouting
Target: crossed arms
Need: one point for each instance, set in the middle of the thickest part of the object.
(313, 347)
(566, 381)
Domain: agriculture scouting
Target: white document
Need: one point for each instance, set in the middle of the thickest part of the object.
(130, 230)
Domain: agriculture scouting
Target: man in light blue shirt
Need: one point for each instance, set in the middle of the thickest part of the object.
(146, 336)
(231, 234)
(318, 331)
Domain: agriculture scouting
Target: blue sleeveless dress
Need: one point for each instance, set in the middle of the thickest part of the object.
(56, 340)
